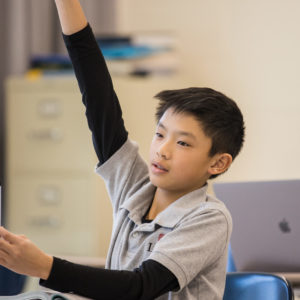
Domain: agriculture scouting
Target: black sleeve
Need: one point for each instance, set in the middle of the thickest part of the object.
(103, 110)
(148, 281)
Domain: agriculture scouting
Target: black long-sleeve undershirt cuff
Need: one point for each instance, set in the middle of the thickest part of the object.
(147, 282)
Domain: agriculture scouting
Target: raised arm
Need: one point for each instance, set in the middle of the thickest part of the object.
(71, 16)
(103, 111)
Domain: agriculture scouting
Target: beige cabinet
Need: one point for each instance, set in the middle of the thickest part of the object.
(53, 194)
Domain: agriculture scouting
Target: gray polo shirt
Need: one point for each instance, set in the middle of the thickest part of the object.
(190, 237)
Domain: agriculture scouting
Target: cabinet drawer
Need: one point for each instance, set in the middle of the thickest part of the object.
(48, 131)
(59, 214)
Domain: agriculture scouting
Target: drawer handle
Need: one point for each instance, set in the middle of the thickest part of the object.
(52, 134)
(46, 222)
(49, 195)
(49, 108)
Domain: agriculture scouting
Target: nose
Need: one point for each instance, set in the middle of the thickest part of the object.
(164, 150)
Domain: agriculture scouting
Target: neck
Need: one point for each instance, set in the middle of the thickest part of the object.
(162, 199)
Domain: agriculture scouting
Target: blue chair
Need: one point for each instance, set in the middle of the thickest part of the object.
(256, 286)
(231, 267)
(11, 283)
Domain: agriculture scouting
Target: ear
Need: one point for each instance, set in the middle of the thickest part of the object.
(220, 163)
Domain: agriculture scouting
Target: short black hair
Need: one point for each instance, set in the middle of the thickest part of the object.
(219, 116)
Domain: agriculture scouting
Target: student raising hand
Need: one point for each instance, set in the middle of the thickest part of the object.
(20, 255)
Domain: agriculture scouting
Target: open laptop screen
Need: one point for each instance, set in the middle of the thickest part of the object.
(266, 224)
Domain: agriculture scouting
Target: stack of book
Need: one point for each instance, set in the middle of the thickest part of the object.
(140, 54)
(137, 54)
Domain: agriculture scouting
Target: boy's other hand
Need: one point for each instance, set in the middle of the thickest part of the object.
(20, 255)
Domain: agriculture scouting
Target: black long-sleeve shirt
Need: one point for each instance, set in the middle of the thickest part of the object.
(104, 117)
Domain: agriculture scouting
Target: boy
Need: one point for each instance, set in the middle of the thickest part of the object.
(169, 237)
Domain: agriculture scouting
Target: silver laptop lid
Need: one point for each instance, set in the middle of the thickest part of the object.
(266, 224)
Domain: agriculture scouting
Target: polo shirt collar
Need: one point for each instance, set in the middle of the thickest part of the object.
(138, 204)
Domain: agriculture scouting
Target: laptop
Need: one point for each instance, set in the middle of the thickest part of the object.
(266, 224)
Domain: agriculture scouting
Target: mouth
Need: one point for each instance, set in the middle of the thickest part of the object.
(158, 168)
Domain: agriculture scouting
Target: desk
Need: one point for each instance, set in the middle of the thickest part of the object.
(293, 278)
(297, 293)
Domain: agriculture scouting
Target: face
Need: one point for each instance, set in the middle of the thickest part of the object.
(179, 154)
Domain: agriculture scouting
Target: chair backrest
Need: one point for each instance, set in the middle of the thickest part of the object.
(256, 286)
(230, 261)
(11, 283)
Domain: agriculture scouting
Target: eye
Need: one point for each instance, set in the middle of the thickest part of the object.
(184, 144)
(158, 135)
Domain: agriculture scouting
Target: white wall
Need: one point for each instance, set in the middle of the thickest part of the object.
(248, 49)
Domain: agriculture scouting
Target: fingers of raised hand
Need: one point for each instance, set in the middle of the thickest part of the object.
(5, 252)
(8, 236)
(11, 247)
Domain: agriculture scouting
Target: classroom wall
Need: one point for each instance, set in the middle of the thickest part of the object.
(249, 50)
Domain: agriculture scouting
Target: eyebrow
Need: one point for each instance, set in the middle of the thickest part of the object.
(184, 133)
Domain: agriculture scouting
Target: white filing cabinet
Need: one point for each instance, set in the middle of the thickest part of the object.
(53, 195)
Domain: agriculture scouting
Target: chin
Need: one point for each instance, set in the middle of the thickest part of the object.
(160, 185)
(154, 181)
